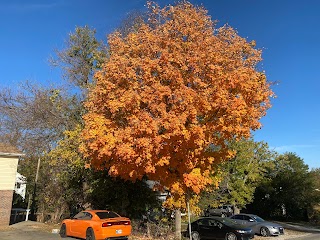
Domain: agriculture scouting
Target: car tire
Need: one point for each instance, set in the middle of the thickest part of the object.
(195, 235)
(90, 234)
(264, 232)
(231, 236)
(63, 231)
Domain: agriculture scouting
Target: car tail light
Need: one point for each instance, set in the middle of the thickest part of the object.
(109, 224)
(125, 222)
(106, 224)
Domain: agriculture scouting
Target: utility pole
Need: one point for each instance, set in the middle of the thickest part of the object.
(31, 199)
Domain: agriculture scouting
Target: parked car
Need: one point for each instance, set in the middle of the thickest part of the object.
(259, 225)
(219, 228)
(221, 211)
(96, 224)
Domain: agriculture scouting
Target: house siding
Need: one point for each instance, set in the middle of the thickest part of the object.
(8, 171)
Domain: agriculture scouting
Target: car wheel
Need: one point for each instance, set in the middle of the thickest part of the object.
(63, 231)
(195, 235)
(231, 236)
(223, 215)
(264, 232)
(90, 234)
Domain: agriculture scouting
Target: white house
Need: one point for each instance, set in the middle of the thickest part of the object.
(21, 185)
(9, 157)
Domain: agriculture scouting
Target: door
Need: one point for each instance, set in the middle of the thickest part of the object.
(251, 223)
(216, 229)
(80, 223)
(204, 228)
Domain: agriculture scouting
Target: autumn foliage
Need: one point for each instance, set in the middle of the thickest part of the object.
(171, 96)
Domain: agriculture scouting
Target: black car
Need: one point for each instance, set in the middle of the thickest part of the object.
(219, 228)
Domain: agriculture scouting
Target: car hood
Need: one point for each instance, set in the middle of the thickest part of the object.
(270, 224)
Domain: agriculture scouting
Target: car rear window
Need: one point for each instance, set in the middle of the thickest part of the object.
(104, 215)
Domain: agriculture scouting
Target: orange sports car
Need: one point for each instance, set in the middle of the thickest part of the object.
(96, 224)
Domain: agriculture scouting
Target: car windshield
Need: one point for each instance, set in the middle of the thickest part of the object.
(258, 219)
(104, 215)
(229, 222)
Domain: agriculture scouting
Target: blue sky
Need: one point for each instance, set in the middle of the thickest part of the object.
(286, 30)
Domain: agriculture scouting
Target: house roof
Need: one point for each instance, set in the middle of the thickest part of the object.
(9, 150)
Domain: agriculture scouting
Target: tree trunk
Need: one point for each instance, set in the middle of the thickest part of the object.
(148, 230)
(178, 224)
(58, 214)
(236, 210)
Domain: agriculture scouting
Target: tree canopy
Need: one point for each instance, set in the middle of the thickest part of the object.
(170, 97)
(240, 175)
(83, 54)
(287, 191)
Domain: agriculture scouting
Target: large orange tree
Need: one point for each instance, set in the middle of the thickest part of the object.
(171, 96)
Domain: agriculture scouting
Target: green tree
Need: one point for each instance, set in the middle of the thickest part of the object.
(315, 174)
(287, 191)
(314, 211)
(82, 56)
(240, 175)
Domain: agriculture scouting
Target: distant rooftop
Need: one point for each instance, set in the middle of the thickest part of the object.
(6, 149)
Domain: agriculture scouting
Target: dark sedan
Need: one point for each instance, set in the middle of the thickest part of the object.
(219, 228)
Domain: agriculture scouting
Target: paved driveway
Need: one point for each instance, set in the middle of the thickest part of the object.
(28, 235)
(29, 231)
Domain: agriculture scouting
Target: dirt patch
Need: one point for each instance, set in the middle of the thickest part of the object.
(5, 228)
(31, 226)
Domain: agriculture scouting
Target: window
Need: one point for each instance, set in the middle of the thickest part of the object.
(212, 223)
(105, 215)
(215, 223)
(238, 217)
(83, 216)
(87, 216)
(203, 222)
(247, 218)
